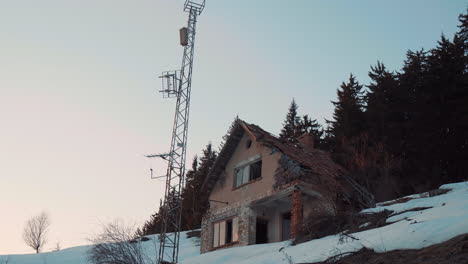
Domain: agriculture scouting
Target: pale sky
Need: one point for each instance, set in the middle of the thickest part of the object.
(79, 106)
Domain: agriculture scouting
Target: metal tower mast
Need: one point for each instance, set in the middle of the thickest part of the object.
(177, 84)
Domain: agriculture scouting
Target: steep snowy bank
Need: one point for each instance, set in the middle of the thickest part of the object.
(445, 218)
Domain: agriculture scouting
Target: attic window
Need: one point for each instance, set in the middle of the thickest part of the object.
(249, 143)
(248, 173)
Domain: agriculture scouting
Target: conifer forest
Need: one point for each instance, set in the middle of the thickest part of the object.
(404, 132)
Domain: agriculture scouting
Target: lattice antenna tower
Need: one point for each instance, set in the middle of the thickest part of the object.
(177, 84)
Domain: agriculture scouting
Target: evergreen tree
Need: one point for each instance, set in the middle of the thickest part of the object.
(413, 82)
(328, 140)
(462, 34)
(291, 130)
(153, 225)
(435, 147)
(417, 118)
(381, 100)
(307, 125)
(191, 174)
(194, 200)
(445, 125)
(348, 114)
(461, 106)
(228, 134)
(294, 126)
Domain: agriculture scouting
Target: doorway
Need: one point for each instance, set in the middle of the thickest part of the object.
(262, 231)
(286, 226)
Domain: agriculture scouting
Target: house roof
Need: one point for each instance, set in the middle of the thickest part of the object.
(235, 134)
(316, 164)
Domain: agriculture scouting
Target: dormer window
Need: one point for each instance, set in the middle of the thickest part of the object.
(248, 173)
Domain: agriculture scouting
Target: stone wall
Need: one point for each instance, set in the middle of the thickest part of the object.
(303, 205)
(314, 207)
(247, 221)
(246, 231)
(206, 234)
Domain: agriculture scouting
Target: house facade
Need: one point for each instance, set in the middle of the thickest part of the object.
(262, 188)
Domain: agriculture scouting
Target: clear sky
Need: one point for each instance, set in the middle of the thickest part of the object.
(79, 106)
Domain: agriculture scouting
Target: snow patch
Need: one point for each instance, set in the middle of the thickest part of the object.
(446, 218)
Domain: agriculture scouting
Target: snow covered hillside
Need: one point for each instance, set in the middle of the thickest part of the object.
(444, 217)
(77, 255)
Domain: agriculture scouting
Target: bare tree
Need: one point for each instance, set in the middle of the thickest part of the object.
(5, 260)
(57, 247)
(117, 244)
(35, 231)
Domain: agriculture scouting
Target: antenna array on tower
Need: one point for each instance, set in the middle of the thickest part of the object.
(177, 84)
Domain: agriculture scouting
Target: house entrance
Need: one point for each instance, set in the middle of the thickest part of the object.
(286, 226)
(262, 231)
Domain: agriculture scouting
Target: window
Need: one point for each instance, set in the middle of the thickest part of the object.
(248, 144)
(248, 173)
(225, 232)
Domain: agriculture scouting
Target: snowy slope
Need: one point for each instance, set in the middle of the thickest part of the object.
(447, 218)
(77, 255)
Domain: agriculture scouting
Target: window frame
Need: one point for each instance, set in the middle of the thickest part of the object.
(234, 232)
(243, 168)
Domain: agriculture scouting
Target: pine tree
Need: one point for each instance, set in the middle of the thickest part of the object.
(153, 225)
(446, 124)
(191, 174)
(463, 32)
(413, 82)
(461, 153)
(228, 133)
(348, 115)
(308, 125)
(194, 200)
(436, 147)
(381, 100)
(291, 130)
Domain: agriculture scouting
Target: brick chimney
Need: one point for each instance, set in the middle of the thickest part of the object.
(307, 139)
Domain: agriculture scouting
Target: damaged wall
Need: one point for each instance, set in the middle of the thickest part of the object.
(224, 188)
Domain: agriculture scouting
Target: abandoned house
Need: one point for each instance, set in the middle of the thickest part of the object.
(261, 188)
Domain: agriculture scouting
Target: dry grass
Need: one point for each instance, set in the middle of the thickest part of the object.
(452, 251)
(344, 224)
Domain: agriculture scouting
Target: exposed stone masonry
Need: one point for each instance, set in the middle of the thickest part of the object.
(246, 231)
(296, 213)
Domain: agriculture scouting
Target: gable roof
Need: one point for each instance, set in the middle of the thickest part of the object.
(316, 163)
(298, 162)
(235, 134)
